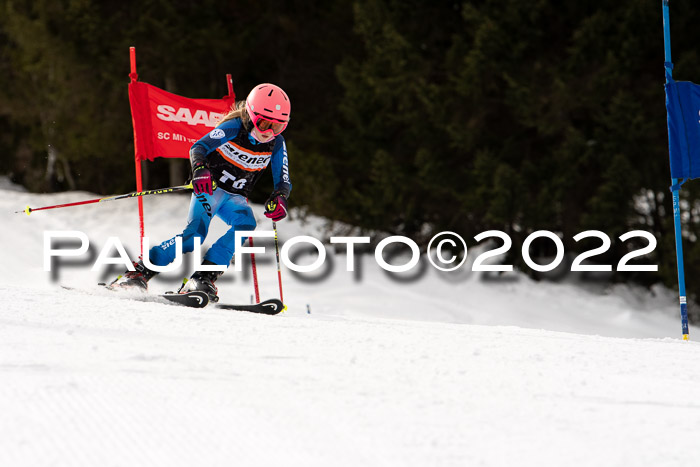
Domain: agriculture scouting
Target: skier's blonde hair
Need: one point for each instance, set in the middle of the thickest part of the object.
(238, 112)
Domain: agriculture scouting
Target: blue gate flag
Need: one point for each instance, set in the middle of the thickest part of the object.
(683, 116)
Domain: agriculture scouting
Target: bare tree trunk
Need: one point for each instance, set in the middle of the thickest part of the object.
(67, 173)
(50, 177)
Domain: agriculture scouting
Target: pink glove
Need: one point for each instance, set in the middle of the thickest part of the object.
(276, 206)
(201, 181)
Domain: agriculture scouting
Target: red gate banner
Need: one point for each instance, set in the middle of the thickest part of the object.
(166, 125)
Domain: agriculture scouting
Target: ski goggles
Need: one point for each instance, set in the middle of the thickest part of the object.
(266, 124)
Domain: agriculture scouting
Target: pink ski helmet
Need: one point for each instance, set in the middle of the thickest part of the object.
(268, 107)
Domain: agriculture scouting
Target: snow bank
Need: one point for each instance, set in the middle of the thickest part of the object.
(464, 371)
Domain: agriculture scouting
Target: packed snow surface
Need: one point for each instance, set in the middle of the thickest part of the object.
(361, 370)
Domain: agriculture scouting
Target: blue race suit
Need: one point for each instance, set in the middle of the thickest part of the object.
(236, 161)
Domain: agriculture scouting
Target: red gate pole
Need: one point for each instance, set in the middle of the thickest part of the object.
(229, 82)
(253, 266)
(139, 180)
(255, 272)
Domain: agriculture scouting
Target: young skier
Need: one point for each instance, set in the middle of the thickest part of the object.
(234, 155)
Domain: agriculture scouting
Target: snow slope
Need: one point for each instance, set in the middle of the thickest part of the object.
(433, 372)
(463, 297)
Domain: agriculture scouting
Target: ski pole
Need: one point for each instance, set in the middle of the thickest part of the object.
(277, 251)
(255, 272)
(134, 194)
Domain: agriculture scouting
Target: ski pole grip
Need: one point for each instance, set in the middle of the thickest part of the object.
(213, 185)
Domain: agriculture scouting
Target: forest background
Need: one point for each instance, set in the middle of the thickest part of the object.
(408, 117)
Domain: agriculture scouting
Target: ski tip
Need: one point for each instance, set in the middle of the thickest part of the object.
(267, 307)
(273, 306)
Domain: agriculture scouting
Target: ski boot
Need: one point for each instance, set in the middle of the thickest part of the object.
(203, 281)
(137, 279)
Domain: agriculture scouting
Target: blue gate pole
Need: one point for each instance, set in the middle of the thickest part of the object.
(675, 189)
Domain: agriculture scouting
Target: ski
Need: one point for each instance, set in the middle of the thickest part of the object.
(268, 307)
(193, 299)
(198, 299)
